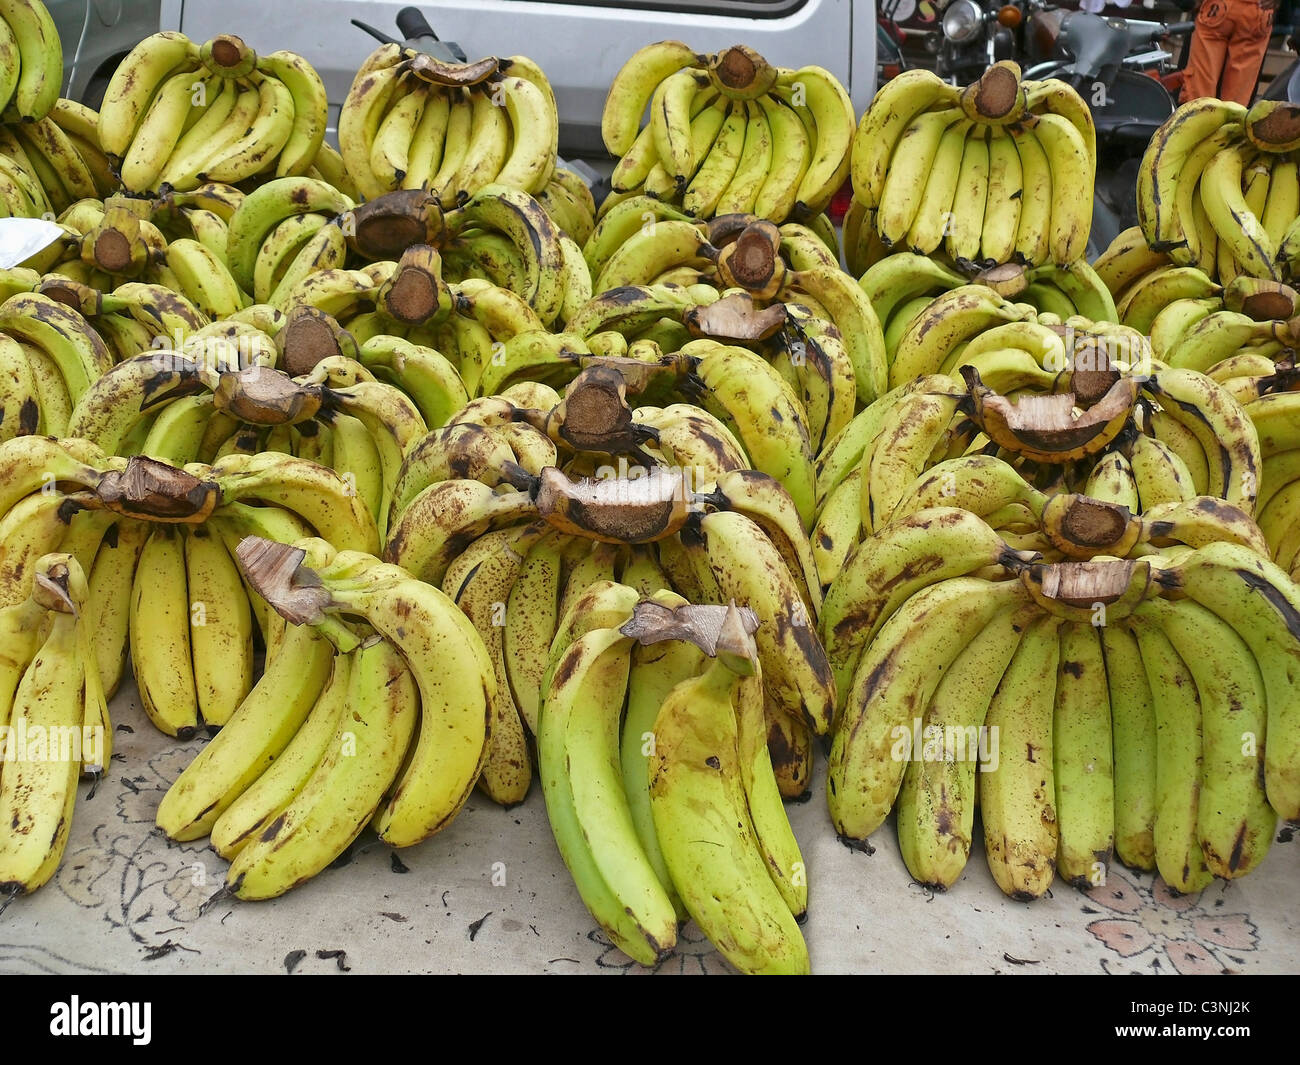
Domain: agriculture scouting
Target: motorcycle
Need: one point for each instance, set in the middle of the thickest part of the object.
(973, 37)
(1115, 64)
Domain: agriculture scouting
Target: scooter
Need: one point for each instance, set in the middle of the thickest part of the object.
(973, 37)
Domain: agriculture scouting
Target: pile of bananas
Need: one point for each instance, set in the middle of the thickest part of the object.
(1043, 523)
(177, 114)
(1001, 171)
(1141, 708)
(728, 132)
(1218, 189)
(676, 490)
(411, 121)
(54, 719)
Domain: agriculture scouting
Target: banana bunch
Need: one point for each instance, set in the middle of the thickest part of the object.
(467, 324)
(789, 264)
(918, 442)
(808, 352)
(119, 241)
(761, 412)
(901, 287)
(1218, 189)
(56, 721)
(1102, 703)
(31, 66)
(1247, 321)
(728, 132)
(194, 242)
(21, 192)
(993, 518)
(64, 254)
(49, 164)
(673, 809)
(202, 214)
(500, 234)
(291, 779)
(948, 330)
(80, 125)
(1045, 421)
(155, 541)
(50, 503)
(178, 114)
(999, 172)
(1193, 320)
(279, 234)
(411, 121)
(517, 246)
(357, 416)
(641, 240)
(138, 319)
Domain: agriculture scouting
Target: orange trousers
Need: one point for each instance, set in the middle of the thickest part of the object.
(1227, 50)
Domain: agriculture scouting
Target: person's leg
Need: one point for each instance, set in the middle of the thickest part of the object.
(1251, 28)
(1209, 50)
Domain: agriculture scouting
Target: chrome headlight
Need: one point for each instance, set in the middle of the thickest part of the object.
(961, 20)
